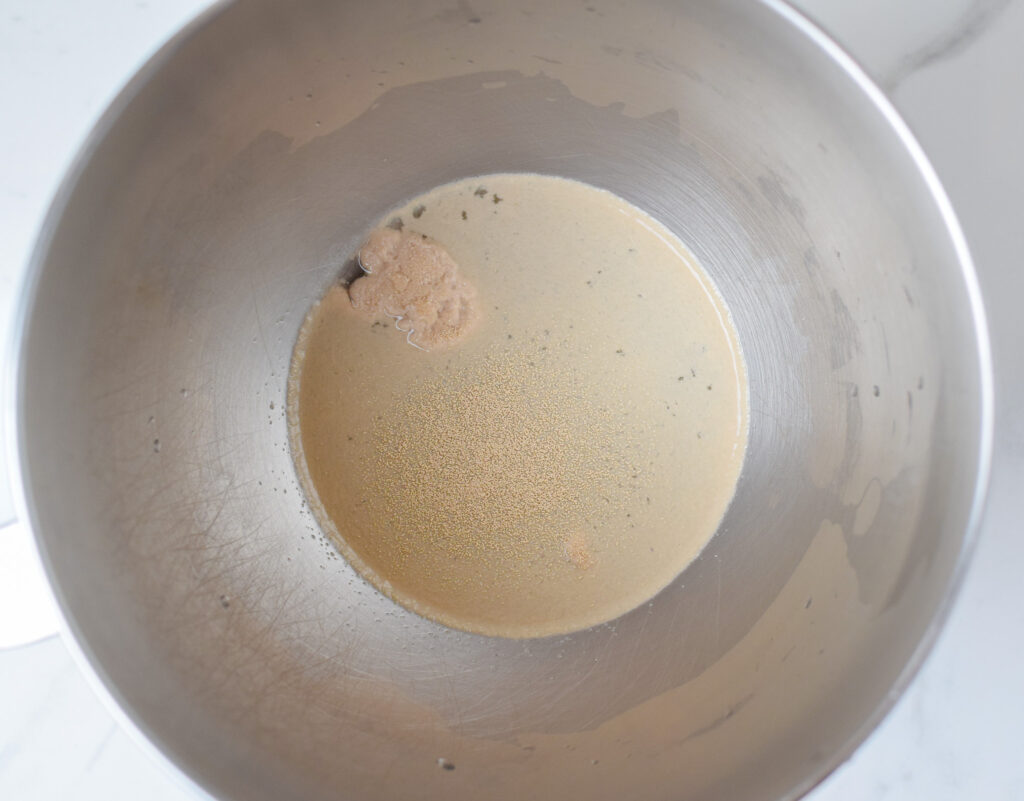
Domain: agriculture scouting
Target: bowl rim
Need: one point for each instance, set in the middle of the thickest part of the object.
(13, 391)
(858, 74)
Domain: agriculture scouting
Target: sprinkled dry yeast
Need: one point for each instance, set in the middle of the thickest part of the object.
(501, 466)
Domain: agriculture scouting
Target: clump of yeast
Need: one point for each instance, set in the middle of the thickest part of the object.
(577, 550)
(415, 281)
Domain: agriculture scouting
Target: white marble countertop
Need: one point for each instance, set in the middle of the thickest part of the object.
(955, 69)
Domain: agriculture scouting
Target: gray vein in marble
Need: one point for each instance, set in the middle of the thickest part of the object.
(971, 25)
(98, 751)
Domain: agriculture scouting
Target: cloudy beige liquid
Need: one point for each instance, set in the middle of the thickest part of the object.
(562, 463)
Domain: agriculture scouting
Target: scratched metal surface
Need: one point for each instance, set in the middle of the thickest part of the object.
(208, 219)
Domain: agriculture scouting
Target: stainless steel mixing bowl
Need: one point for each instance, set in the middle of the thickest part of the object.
(223, 192)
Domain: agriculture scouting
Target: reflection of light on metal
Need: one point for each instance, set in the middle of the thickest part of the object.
(407, 331)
